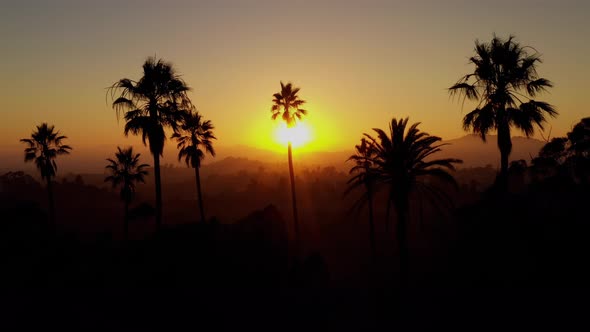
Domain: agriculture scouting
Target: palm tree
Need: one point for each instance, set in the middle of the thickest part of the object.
(287, 105)
(152, 104)
(194, 140)
(364, 176)
(125, 171)
(43, 148)
(503, 83)
(403, 162)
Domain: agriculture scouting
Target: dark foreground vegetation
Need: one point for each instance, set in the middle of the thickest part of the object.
(524, 244)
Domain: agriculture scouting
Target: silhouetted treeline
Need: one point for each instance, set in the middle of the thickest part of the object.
(483, 240)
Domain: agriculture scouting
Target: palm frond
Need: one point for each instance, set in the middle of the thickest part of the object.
(538, 85)
(465, 89)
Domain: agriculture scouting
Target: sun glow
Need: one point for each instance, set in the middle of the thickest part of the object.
(298, 135)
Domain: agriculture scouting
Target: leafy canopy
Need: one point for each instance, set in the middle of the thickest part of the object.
(287, 105)
(504, 83)
(43, 148)
(158, 100)
(125, 170)
(402, 160)
(195, 138)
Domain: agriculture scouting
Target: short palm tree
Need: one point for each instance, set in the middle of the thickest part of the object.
(152, 104)
(403, 161)
(287, 106)
(195, 138)
(126, 171)
(364, 176)
(503, 82)
(44, 146)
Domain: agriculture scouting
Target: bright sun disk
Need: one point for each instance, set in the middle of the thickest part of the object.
(297, 135)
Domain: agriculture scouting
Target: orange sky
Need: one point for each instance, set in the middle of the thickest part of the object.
(358, 63)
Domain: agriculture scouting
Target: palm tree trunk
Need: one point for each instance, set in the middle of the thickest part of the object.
(402, 241)
(126, 222)
(505, 146)
(387, 214)
(201, 209)
(372, 226)
(294, 199)
(52, 223)
(158, 191)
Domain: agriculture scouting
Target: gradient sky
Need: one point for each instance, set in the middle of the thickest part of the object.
(359, 63)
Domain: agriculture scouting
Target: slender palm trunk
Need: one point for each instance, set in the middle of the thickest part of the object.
(387, 215)
(294, 200)
(505, 146)
(126, 222)
(373, 272)
(372, 226)
(158, 191)
(52, 223)
(201, 209)
(402, 241)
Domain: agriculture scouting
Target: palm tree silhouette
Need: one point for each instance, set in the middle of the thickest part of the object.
(125, 171)
(403, 162)
(364, 176)
(152, 104)
(287, 105)
(503, 83)
(195, 138)
(43, 148)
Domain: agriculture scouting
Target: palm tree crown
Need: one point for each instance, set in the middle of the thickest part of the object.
(43, 148)
(504, 83)
(288, 105)
(195, 138)
(403, 159)
(153, 103)
(125, 171)
(364, 171)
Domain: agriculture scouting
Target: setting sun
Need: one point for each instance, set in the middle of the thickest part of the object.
(298, 135)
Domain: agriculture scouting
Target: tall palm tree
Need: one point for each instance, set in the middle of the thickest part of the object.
(153, 103)
(44, 146)
(504, 83)
(287, 106)
(403, 162)
(364, 176)
(195, 138)
(125, 171)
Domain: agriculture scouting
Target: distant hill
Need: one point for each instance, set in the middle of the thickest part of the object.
(232, 159)
(474, 152)
(469, 148)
